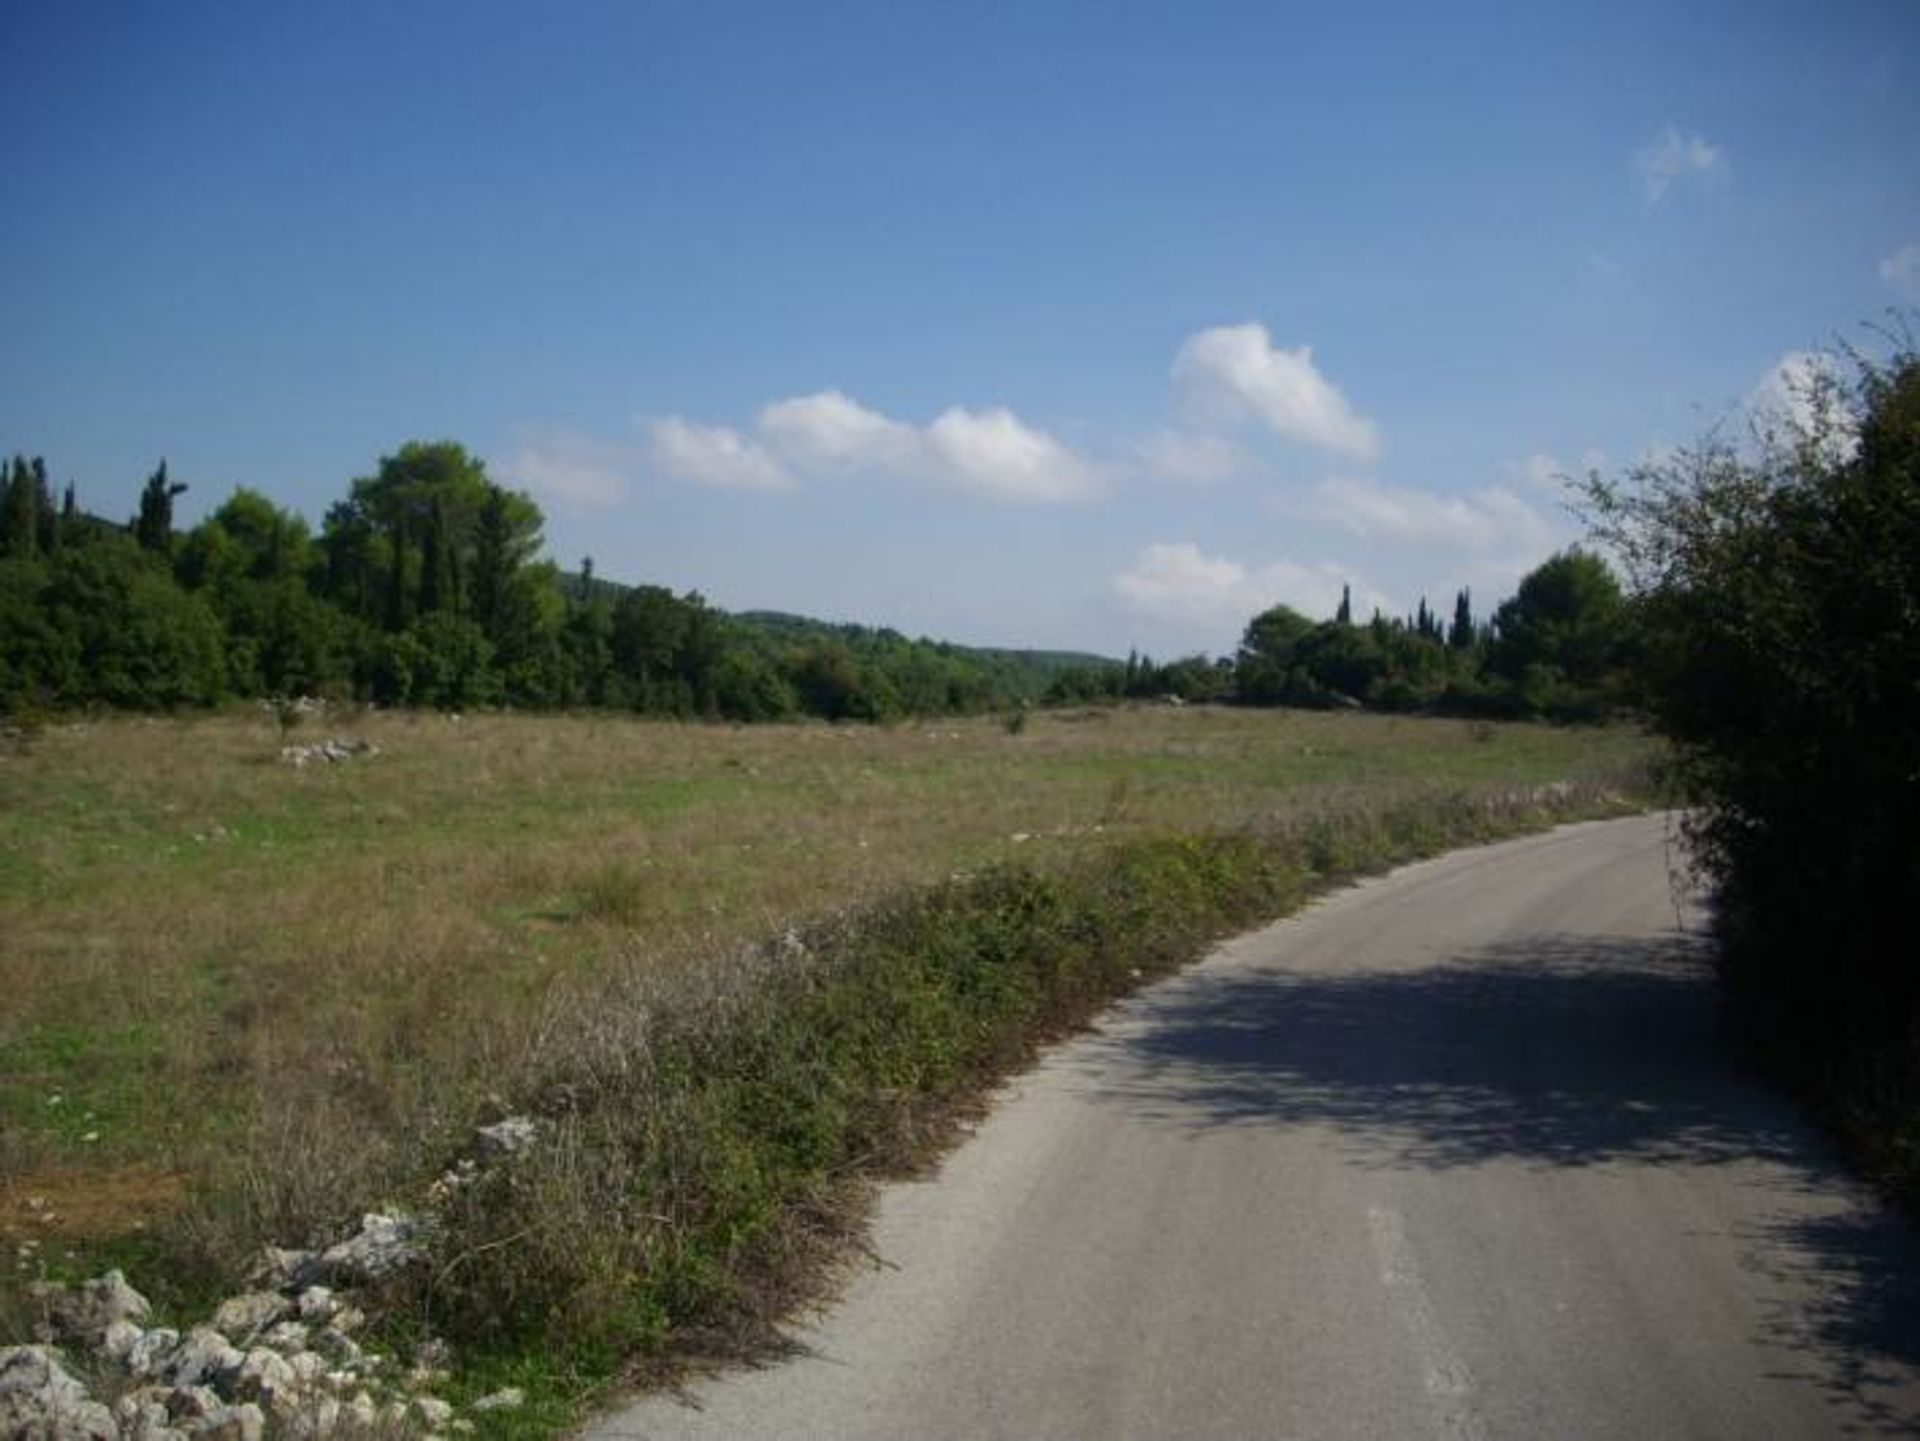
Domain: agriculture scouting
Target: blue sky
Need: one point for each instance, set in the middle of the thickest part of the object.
(1067, 325)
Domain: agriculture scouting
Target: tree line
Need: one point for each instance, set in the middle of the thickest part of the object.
(1558, 649)
(425, 586)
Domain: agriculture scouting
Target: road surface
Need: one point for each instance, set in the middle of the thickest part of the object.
(1455, 1153)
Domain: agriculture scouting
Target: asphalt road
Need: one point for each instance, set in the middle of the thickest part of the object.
(1456, 1153)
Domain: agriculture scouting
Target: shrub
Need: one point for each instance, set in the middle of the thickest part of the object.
(1777, 585)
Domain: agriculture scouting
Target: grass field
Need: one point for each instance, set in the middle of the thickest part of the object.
(244, 1000)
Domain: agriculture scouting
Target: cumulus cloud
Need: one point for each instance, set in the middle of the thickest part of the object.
(1672, 157)
(1234, 370)
(1494, 520)
(1178, 587)
(995, 453)
(991, 452)
(829, 429)
(573, 471)
(1901, 270)
(713, 456)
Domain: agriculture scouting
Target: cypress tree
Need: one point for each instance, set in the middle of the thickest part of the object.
(19, 525)
(154, 526)
(1460, 637)
(46, 518)
(1345, 615)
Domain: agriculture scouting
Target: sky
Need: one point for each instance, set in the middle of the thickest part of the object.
(1095, 326)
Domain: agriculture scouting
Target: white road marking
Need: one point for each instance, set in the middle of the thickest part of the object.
(1447, 1379)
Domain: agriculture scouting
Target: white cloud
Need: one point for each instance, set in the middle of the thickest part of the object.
(1672, 157)
(571, 470)
(1178, 588)
(986, 452)
(1901, 270)
(1801, 395)
(1192, 458)
(714, 456)
(1491, 521)
(995, 453)
(1236, 369)
(831, 430)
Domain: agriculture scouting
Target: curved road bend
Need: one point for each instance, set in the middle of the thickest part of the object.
(1455, 1153)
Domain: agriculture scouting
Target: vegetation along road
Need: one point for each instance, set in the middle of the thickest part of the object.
(1454, 1153)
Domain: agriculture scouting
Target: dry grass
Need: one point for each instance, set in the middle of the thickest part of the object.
(296, 987)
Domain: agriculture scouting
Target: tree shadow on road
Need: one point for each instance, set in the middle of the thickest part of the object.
(1564, 1052)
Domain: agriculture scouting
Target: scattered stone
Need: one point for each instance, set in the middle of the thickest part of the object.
(149, 1355)
(38, 1398)
(316, 1303)
(277, 1267)
(361, 1411)
(81, 1316)
(393, 1417)
(241, 1318)
(308, 1367)
(287, 1336)
(192, 1403)
(337, 1345)
(510, 1398)
(119, 1341)
(330, 751)
(349, 1319)
(505, 1139)
(432, 1354)
(245, 1422)
(204, 1358)
(382, 1246)
(434, 1412)
(264, 1375)
(315, 1422)
(141, 1417)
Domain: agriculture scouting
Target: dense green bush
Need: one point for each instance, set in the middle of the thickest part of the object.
(1777, 584)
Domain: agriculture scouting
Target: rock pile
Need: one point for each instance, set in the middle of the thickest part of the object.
(330, 750)
(281, 1358)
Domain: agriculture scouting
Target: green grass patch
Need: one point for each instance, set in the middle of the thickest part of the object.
(295, 991)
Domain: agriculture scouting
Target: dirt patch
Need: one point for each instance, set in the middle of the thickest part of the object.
(87, 1205)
